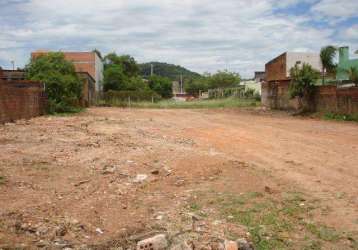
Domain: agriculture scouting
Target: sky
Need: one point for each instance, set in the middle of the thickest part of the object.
(201, 35)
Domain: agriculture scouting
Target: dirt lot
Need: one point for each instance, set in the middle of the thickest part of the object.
(109, 177)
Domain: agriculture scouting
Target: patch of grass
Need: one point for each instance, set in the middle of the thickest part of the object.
(194, 207)
(273, 223)
(196, 104)
(70, 112)
(323, 232)
(341, 117)
(2, 180)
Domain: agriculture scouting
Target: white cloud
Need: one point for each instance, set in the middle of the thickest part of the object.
(203, 35)
(351, 33)
(333, 8)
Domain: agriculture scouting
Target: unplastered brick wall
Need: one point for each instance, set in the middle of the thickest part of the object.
(21, 100)
(275, 95)
(337, 100)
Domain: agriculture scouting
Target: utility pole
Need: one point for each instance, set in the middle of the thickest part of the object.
(181, 83)
(151, 69)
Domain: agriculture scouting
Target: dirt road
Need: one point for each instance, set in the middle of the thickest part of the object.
(104, 175)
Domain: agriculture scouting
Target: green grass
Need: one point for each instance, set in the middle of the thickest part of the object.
(341, 117)
(284, 222)
(323, 232)
(2, 180)
(196, 104)
(70, 112)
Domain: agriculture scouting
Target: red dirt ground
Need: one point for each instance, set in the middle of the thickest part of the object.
(70, 181)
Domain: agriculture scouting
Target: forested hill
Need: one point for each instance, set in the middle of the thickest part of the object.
(168, 70)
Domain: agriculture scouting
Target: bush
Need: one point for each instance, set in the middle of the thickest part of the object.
(161, 85)
(341, 117)
(63, 87)
(194, 86)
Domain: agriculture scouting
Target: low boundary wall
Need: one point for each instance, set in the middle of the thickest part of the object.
(328, 98)
(21, 100)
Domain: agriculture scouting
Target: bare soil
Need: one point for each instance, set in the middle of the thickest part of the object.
(108, 177)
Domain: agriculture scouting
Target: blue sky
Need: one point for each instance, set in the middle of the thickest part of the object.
(202, 35)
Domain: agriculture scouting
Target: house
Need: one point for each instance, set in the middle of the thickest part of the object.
(345, 64)
(327, 98)
(259, 76)
(274, 91)
(90, 62)
(278, 69)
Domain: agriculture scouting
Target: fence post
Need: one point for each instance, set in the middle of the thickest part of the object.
(152, 99)
(129, 101)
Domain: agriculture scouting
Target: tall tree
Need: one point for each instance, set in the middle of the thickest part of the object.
(327, 55)
(121, 73)
(128, 63)
(302, 83)
(63, 86)
(114, 78)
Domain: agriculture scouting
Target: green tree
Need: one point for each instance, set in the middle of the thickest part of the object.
(194, 86)
(353, 75)
(121, 74)
(223, 79)
(63, 87)
(114, 78)
(302, 83)
(128, 63)
(327, 55)
(161, 85)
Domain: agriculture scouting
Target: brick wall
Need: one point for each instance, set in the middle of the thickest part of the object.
(337, 100)
(276, 68)
(275, 95)
(21, 100)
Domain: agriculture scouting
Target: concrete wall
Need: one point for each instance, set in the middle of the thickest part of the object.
(99, 68)
(252, 85)
(21, 100)
(298, 57)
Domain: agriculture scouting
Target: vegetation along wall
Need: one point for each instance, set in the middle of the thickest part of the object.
(333, 99)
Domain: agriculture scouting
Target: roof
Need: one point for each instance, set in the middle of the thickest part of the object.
(274, 59)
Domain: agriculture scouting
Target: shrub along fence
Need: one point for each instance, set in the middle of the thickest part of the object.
(239, 92)
(125, 98)
(227, 92)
